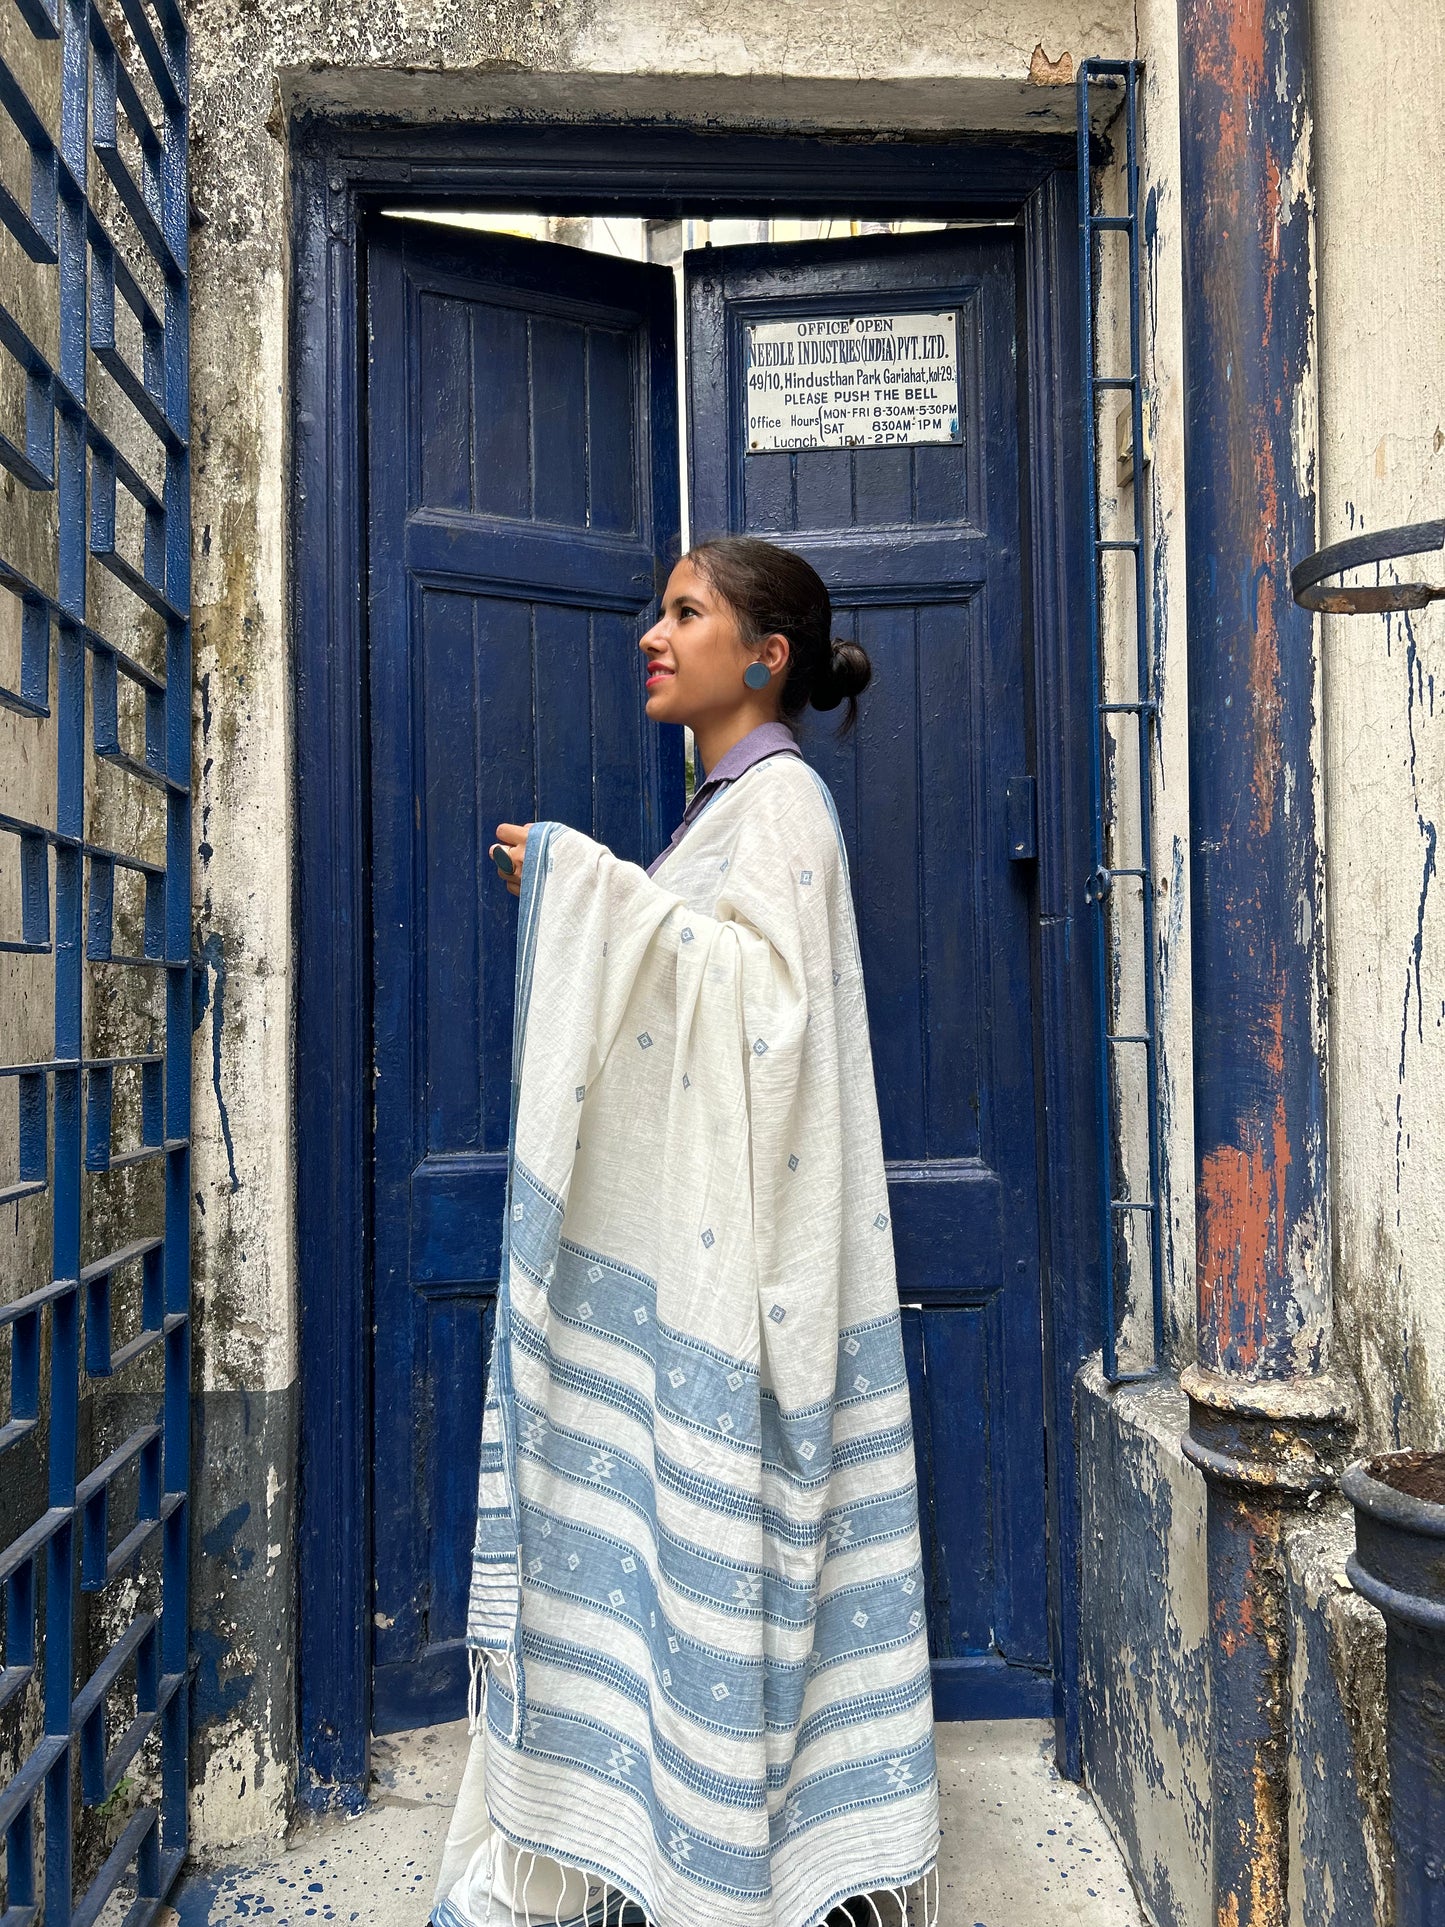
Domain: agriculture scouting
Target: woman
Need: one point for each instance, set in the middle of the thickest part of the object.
(702, 1689)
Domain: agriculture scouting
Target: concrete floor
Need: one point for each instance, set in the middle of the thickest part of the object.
(1021, 1847)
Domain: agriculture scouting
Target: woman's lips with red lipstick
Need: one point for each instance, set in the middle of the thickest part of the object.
(657, 673)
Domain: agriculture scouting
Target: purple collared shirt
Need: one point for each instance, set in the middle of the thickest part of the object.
(768, 739)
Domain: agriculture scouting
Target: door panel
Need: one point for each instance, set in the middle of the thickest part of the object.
(920, 547)
(522, 448)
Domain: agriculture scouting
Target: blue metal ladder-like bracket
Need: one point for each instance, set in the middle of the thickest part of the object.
(1116, 1200)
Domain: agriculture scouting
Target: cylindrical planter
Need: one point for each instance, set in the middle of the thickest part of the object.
(1399, 1565)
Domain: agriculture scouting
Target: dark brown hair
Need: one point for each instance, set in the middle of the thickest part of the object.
(771, 591)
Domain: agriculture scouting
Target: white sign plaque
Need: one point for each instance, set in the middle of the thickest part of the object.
(853, 381)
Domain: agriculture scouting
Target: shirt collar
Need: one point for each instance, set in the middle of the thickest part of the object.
(768, 739)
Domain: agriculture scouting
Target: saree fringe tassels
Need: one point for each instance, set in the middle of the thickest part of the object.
(697, 1592)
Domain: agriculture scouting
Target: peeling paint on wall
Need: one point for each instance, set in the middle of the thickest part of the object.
(1382, 353)
(1145, 1640)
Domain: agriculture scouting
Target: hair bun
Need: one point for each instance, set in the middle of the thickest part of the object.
(848, 674)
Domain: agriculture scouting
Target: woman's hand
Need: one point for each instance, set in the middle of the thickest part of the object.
(511, 840)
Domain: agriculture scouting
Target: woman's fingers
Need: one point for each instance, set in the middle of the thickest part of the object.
(509, 853)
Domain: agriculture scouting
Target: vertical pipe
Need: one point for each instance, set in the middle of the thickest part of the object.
(1267, 1422)
(1258, 962)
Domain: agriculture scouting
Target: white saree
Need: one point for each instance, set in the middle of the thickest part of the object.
(697, 1598)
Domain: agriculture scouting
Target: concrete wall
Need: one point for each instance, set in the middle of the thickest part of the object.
(1144, 1640)
(1144, 1649)
(1339, 1831)
(1382, 462)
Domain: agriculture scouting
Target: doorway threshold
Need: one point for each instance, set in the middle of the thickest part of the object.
(1021, 1847)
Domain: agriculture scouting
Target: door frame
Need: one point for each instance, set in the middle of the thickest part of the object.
(341, 173)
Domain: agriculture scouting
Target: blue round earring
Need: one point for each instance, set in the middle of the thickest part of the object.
(757, 675)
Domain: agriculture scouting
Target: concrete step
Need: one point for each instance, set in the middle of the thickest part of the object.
(1021, 1847)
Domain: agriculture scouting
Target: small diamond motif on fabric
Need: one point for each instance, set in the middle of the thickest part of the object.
(594, 1272)
(672, 1645)
(860, 1384)
(777, 1314)
(860, 1619)
(793, 1162)
(534, 1566)
(686, 1082)
(584, 1310)
(639, 1316)
(852, 1347)
(806, 877)
(735, 1380)
(915, 1620)
(881, 1221)
(629, 1564)
(708, 1240)
(719, 1691)
(910, 1586)
(760, 1049)
(617, 1597)
(666, 1677)
(644, 1041)
(725, 1421)
(546, 1528)
(807, 1450)
(687, 936)
(677, 1376)
(581, 1092)
(573, 1562)
(519, 1211)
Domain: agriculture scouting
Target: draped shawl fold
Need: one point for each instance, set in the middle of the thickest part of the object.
(697, 1589)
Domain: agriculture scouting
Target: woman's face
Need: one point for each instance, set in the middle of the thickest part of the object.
(694, 658)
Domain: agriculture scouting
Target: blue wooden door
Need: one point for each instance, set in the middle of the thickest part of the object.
(920, 547)
(523, 494)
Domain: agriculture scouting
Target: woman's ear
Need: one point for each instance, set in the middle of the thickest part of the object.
(777, 653)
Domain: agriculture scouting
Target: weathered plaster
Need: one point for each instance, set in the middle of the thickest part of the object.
(842, 37)
(1339, 1776)
(243, 1522)
(1163, 365)
(1144, 1639)
(1382, 359)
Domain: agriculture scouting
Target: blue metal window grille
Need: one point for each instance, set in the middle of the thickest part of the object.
(1139, 710)
(95, 1010)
